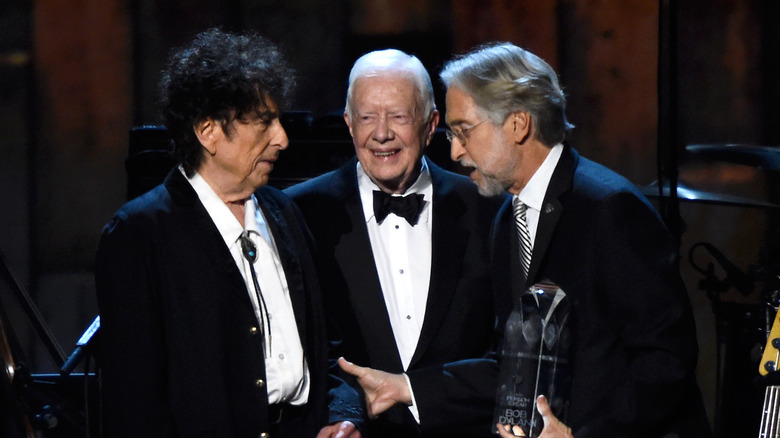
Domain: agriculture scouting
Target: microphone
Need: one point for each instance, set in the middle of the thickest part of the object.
(82, 346)
(734, 276)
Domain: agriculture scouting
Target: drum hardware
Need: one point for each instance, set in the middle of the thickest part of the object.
(763, 157)
(734, 277)
(741, 330)
(686, 194)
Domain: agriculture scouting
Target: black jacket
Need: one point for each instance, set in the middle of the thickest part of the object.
(634, 337)
(452, 371)
(177, 352)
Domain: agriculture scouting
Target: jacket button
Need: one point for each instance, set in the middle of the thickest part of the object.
(253, 331)
(259, 383)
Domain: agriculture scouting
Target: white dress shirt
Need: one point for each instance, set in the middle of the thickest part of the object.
(532, 195)
(402, 254)
(287, 374)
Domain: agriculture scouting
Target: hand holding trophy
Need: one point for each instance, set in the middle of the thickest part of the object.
(534, 362)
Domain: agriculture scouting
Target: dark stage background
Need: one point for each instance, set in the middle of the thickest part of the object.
(77, 75)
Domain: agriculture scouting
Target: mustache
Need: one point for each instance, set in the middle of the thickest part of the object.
(467, 163)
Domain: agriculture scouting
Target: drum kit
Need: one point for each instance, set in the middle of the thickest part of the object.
(742, 325)
(762, 157)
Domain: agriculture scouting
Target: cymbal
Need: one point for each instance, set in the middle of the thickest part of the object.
(698, 196)
(765, 157)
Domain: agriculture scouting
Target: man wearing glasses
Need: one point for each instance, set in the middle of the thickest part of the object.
(405, 266)
(588, 230)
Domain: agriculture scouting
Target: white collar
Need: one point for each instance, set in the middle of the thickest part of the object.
(228, 226)
(533, 193)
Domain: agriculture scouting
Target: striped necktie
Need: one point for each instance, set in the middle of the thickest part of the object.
(522, 231)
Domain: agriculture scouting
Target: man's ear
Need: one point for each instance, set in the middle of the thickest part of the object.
(349, 124)
(206, 132)
(522, 126)
(430, 127)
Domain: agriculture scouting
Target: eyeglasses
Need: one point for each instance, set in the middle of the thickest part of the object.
(461, 134)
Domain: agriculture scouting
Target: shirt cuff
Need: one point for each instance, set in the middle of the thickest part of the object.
(413, 406)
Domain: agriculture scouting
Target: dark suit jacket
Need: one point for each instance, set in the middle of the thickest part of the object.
(177, 354)
(451, 372)
(633, 331)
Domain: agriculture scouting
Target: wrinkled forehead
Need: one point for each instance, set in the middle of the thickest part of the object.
(378, 74)
(386, 89)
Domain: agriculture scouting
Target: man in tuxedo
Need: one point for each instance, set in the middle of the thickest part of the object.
(404, 261)
(592, 234)
(209, 300)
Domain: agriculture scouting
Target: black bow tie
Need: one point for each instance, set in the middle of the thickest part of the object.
(407, 207)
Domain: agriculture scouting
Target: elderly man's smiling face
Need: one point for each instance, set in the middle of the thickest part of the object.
(389, 130)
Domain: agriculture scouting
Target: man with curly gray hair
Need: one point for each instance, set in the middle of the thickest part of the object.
(209, 300)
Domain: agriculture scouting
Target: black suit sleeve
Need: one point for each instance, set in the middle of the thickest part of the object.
(133, 374)
(457, 395)
(651, 314)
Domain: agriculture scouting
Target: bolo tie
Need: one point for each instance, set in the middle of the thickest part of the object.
(249, 250)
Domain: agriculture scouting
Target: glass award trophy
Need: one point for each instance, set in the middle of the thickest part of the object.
(534, 360)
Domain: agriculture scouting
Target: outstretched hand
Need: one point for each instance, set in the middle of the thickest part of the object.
(553, 427)
(382, 389)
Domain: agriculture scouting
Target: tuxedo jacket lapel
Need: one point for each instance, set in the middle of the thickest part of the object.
(353, 253)
(447, 246)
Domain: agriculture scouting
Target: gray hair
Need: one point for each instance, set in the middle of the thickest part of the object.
(503, 78)
(392, 61)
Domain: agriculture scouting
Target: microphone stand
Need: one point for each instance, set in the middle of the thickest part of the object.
(83, 347)
(44, 402)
